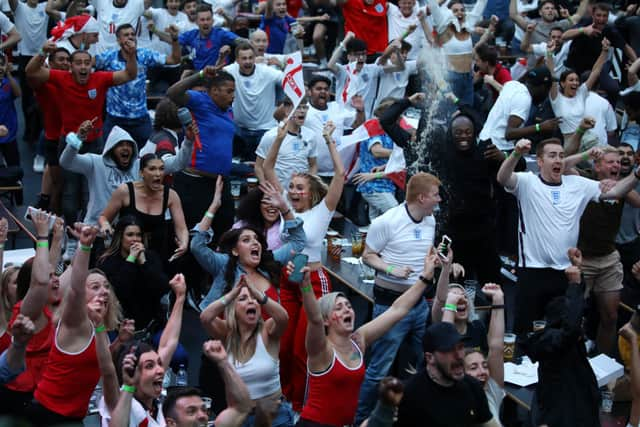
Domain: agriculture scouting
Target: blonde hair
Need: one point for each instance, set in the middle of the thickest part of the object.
(317, 188)
(7, 307)
(607, 149)
(327, 304)
(233, 342)
(420, 183)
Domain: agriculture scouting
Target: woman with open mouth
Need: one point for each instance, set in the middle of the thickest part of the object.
(568, 100)
(255, 211)
(80, 347)
(336, 353)
(153, 202)
(253, 344)
(315, 203)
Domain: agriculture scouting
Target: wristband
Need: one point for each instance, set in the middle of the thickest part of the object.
(341, 46)
(209, 215)
(41, 244)
(424, 280)
(456, 100)
(389, 269)
(450, 307)
(379, 175)
(585, 156)
(286, 212)
(100, 328)
(497, 307)
(537, 127)
(131, 259)
(549, 54)
(85, 248)
(223, 300)
(265, 299)
(514, 153)
(581, 30)
(580, 131)
(42, 53)
(128, 388)
(73, 140)
(201, 74)
(307, 288)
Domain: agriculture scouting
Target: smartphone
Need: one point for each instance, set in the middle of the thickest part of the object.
(299, 261)
(443, 247)
(31, 210)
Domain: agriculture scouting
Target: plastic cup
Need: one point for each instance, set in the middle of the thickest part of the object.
(357, 245)
(252, 183)
(539, 325)
(607, 401)
(509, 347)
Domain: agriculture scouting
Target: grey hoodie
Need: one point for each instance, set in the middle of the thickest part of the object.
(102, 173)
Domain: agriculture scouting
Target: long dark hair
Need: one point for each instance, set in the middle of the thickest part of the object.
(249, 210)
(116, 241)
(228, 242)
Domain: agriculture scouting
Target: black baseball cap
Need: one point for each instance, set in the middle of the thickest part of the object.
(539, 76)
(441, 336)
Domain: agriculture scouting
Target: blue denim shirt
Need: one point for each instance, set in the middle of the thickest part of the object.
(631, 135)
(6, 374)
(293, 239)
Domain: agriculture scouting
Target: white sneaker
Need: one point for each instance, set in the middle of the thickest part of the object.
(70, 250)
(38, 163)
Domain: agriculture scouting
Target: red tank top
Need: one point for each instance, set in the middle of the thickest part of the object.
(339, 383)
(68, 380)
(37, 355)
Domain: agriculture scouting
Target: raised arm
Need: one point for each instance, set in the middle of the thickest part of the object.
(332, 65)
(52, 9)
(582, 9)
(495, 337)
(506, 176)
(171, 334)
(130, 376)
(622, 187)
(515, 16)
(588, 31)
(572, 144)
(394, 46)
(113, 207)
(22, 330)
(178, 92)
(38, 294)
(269, 164)
(13, 37)
(210, 316)
(337, 182)
(525, 45)
(239, 402)
(488, 33)
(36, 72)
(56, 243)
(316, 343)
(276, 325)
(442, 289)
(377, 327)
(129, 52)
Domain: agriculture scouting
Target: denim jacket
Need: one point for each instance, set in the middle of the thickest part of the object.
(215, 263)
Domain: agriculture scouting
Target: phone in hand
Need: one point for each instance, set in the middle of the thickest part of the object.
(31, 210)
(299, 261)
(443, 247)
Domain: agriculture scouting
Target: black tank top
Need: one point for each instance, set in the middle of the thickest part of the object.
(154, 227)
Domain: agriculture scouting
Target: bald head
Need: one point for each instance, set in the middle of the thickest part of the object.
(259, 42)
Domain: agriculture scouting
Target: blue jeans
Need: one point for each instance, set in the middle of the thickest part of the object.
(139, 128)
(462, 86)
(246, 142)
(283, 419)
(383, 352)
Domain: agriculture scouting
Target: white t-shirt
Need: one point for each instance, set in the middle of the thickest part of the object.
(343, 118)
(514, 100)
(550, 217)
(294, 154)
(600, 109)
(401, 241)
(138, 415)
(540, 50)
(163, 19)
(495, 395)
(398, 24)
(395, 84)
(350, 82)
(227, 5)
(110, 17)
(571, 110)
(32, 25)
(316, 223)
(5, 24)
(255, 96)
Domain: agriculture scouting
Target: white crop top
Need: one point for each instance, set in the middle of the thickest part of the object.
(261, 373)
(316, 223)
(454, 46)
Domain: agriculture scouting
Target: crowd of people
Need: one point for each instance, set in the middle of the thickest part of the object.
(178, 175)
